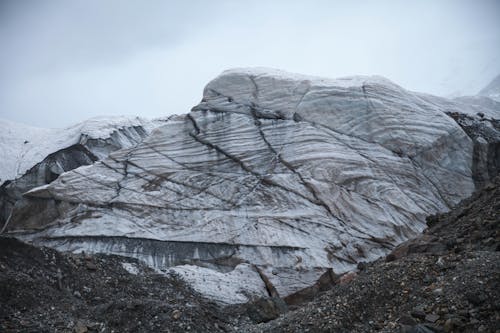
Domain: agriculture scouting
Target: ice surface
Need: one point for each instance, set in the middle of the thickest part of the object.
(130, 267)
(237, 286)
(282, 172)
(23, 146)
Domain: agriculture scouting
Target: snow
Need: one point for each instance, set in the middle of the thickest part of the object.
(492, 90)
(130, 267)
(345, 82)
(237, 286)
(23, 146)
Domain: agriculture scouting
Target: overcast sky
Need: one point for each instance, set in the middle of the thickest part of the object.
(64, 61)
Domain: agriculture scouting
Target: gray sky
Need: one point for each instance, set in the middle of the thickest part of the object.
(64, 61)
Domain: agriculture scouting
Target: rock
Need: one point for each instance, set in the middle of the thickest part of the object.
(485, 135)
(407, 320)
(419, 328)
(431, 220)
(391, 257)
(437, 291)
(91, 266)
(428, 279)
(431, 318)
(361, 265)
(482, 328)
(440, 262)
(266, 309)
(325, 282)
(176, 314)
(452, 324)
(80, 327)
(348, 277)
(418, 313)
(475, 298)
(448, 325)
(423, 244)
(59, 277)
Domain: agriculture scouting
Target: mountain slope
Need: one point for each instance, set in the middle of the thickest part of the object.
(43, 290)
(447, 279)
(492, 90)
(272, 177)
(444, 280)
(37, 156)
(24, 146)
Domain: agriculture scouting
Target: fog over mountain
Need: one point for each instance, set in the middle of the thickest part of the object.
(66, 61)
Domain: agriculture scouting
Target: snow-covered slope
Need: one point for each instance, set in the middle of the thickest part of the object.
(486, 103)
(273, 176)
(23, 146)
(492, 90)
(36, 156)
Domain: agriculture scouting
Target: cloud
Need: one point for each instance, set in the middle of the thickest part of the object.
(58, 34)
(64, 61)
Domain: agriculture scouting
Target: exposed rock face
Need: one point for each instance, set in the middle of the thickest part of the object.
(35, 156)
(485, 133)
(479, 118)
(273, 176)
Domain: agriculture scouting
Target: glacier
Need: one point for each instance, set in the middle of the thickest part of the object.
(272, 177)
(33, 156)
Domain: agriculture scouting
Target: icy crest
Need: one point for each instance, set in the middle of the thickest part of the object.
(23, 146)
(347, 81)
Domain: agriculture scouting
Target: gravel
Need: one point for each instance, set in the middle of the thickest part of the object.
(42, 290)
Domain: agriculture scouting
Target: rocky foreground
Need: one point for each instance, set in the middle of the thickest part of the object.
(447, 279)
(42, 290)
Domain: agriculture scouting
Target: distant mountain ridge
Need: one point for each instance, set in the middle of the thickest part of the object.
(492, 90)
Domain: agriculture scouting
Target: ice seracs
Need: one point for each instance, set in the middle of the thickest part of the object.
(34, 156)
(23, 146)
(272, 175)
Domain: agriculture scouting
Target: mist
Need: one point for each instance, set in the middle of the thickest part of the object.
(66, 61)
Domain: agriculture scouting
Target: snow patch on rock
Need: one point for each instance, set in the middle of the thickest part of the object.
(238, 286)
(131, 268)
